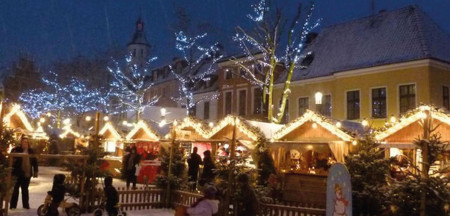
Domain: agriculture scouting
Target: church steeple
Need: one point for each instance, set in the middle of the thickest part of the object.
(139, 47)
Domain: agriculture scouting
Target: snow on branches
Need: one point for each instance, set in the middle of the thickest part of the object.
(200, 68)
(129, 86)
(73, 97)
(271, 49)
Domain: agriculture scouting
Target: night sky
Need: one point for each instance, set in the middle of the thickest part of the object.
(52, 30)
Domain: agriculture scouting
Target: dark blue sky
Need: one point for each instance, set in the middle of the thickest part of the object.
(52, 30)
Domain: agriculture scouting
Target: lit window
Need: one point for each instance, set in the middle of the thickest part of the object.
(379, 103)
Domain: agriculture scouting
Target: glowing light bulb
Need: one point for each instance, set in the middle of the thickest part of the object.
(106, 118)
(338, 124)
(314, 125)
(88, 118)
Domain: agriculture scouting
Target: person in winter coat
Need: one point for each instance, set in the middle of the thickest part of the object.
(112, 197)
(206, 206)
(57, 194)
(248, 203)
(194, 162)
(208, 168)
(129, 165)
(23, 169)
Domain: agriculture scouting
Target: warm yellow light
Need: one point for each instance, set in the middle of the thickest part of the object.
(162, 123)
(211, 124)
(422, 115)
(365, 123)
(338, 124)
(106, 118)
(125, 123)
(393, 119)
(318, 96)
(42, 120)
(88, 118)
(354, 142)
(314, 125)
(66, 121)
(163, 111)
(175, 123)
(49, 114)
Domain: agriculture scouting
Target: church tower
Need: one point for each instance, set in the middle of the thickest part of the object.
(139, 48)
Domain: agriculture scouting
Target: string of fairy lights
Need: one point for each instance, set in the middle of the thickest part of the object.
(201, 65)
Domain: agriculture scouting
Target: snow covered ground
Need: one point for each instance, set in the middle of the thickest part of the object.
(39, 187)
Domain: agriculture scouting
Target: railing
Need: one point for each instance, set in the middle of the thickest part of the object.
(140, 198)
(148, 198)
(184, 198)
(282, 210)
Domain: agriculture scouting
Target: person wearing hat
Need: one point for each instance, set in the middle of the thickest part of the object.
(23, 169)
(206, 206)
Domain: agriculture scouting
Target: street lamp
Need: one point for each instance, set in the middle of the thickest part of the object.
(66, 121)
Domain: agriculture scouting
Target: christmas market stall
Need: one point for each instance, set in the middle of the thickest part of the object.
(147, 142)
(70, 139)
(304, 149)
(16, 120)
(190, 133)
(243, 132)
(112, 141)
(399, 134)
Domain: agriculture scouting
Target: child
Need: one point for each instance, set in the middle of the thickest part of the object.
(206, 206)
(57, 194)
(112, 197)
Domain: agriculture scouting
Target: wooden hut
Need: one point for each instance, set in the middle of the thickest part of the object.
(190, 133)
(144, 138)
(303, 150)
(398, 137)
(111, 139)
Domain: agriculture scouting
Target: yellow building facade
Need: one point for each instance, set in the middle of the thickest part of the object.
(373, 68)
(429, 78)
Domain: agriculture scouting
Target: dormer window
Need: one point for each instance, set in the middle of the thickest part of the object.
(307, 60)
(228, 74)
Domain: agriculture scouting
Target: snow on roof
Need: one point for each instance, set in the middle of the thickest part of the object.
(268, 129)
(396, 36)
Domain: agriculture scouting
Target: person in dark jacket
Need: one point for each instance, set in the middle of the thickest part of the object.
(112, 197)
(23, 169)
(129, 165)
(248, 203)
(194, 162)
(57, 193)
(208, 168)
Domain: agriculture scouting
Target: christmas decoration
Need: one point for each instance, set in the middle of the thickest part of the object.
(72, 97)
(368, 169)
(141, 125)
(317, 119)
(264, 54)
(199, 70)
(128, 89)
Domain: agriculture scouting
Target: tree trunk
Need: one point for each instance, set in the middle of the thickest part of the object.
(286, 92)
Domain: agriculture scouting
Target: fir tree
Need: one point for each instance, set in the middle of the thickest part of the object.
(368, 169)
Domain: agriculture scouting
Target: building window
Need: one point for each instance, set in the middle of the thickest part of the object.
(445, 97)
(407, 97)
(142, 52)
(303, 105)
(206, 110)
(353, 105)
(242, 102)
(257, 101)
(325, 107)
(134, 52)
(285, 118)
(242, 71)
(228, 74)
(379, 103)
(228, 101)
(194, 110)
